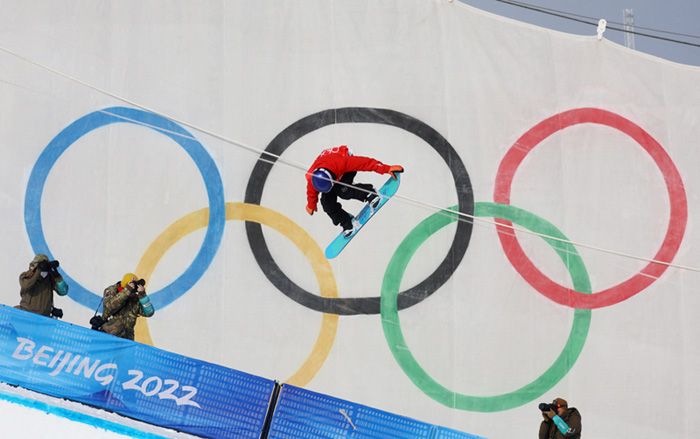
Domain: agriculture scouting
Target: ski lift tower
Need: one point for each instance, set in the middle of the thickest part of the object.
(628, 15)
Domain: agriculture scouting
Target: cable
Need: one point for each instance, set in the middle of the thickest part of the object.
(572, 17)
(461, 216)
(609, 21)
(658, 31)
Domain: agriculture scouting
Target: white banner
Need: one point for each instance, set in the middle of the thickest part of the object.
(566, 136)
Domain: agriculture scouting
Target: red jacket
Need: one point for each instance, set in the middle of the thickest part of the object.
(339, 161)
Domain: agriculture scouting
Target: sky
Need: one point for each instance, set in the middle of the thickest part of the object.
(680, 16)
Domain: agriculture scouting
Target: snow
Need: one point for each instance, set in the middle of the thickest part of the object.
(30, 415)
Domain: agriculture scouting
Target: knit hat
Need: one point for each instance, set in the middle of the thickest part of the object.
(128, 277)
(561, 402)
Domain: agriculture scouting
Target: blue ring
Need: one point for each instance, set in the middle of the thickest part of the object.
(205, 164)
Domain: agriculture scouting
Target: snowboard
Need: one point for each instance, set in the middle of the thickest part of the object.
(384, 193)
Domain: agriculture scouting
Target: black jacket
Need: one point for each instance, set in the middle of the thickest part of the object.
(549, 430)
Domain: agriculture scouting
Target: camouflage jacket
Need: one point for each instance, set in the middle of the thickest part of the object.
(122, 308)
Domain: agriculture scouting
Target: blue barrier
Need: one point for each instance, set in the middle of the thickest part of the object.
(300, 413)
(180, 393)
(132, 379)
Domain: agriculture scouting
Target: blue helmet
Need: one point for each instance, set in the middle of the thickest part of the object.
(322, 180)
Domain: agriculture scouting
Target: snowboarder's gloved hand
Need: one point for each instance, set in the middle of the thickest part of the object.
(395, 169)
(310, 210)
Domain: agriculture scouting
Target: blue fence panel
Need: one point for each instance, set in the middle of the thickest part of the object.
(132, 379)
(301, 413)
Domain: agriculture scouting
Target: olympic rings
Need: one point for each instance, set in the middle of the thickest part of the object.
(207, 168)
(360, 305)
(392, 325)
(390, 301)
(674, 185)
(303, 241)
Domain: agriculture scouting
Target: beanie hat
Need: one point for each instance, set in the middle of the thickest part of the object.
(561, 402)
(128, 277)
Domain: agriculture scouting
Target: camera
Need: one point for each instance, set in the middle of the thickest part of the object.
(57, 313)
(134, 292)
(545, 407)
(46, 265)
(96, 322)
(136, 283)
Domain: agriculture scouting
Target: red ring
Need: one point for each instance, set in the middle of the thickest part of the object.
(669, 246)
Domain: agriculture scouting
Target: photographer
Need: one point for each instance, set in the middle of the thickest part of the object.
(37, 286)
(123, 303)
(560, 421)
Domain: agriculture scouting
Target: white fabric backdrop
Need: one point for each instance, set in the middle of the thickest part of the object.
(247, 70)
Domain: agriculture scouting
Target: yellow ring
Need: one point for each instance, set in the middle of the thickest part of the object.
(304, 242)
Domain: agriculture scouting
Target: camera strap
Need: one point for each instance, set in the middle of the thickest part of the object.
(98, 306)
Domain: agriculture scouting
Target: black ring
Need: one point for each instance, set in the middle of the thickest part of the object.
(359, 305)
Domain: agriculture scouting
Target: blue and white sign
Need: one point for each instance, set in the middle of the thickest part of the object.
(132, 379)
(301, 413)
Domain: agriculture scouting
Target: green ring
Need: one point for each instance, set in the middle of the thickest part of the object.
(402, 354)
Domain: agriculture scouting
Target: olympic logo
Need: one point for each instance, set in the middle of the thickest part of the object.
(390, 301)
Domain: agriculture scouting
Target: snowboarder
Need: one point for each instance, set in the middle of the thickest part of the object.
(340, 165)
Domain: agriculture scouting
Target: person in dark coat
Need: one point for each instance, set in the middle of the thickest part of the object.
(37, 286)
(565, 422)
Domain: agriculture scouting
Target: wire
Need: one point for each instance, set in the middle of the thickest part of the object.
(658, 31)
(272, 158)
(573, 17)
(609, 21)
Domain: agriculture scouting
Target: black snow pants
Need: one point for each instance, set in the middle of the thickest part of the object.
(334, 209)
